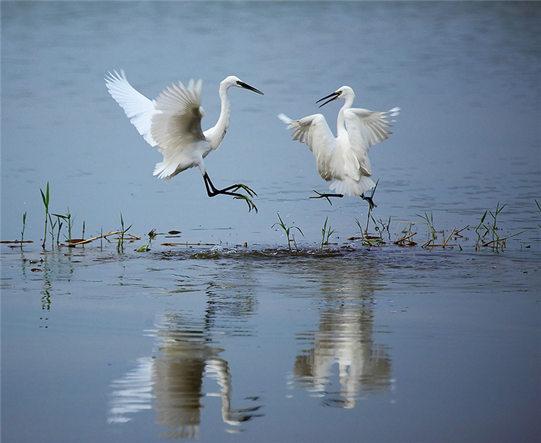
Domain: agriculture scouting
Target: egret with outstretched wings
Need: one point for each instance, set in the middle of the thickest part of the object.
(343, 160)
(172, 124)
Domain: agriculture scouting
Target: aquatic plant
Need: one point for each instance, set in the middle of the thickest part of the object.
(429, 220)
(288, 231)
(384, 227)
(122, 234)
(488, 233)
(407, 237)
(23, 228)
(45, 197)
(52, 226)
(60, 224)
(151, 236)
(326, 232)
(367, 239)
(68, 219)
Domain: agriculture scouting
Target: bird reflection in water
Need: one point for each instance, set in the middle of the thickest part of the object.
(172, 382)
(342, 361)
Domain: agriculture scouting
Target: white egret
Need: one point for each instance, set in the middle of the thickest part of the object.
(343, 160)
(172, 124)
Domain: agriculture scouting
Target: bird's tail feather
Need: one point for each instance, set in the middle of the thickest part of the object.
(352, 187)
(161, 170)
(167, 169)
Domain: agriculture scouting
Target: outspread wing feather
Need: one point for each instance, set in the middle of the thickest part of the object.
(366, 128)
(314, 131)
(177, 126)
(138, 108)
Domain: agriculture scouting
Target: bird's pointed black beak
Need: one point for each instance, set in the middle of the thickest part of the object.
(331, 97)
(250, 88)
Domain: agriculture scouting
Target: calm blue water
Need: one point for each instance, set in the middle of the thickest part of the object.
(364, 344)
(465, 75)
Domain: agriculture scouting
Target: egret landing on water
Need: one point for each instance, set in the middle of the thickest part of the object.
(172, 123)
(343, 160)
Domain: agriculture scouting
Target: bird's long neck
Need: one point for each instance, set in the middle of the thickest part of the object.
(340, 122)
(219, 130)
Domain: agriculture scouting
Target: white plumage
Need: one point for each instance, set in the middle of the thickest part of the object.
(343, 160)
(172, 124)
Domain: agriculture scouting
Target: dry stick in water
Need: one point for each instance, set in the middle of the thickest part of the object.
(78, 241)
(406, 239)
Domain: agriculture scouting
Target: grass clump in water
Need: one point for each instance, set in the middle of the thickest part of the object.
(326, 232)
(69, 222)
(488, 231)
(288, 231)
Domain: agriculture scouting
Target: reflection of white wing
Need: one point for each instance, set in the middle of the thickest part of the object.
(366, 128)
(314, 131)
(176, 127)
(132, 393)
(137, 107)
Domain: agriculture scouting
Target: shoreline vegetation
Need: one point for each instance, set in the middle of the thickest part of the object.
(486, 233)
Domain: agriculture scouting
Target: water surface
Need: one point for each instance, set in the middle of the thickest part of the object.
(234, 343)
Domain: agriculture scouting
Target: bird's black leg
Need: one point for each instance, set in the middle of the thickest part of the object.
(370, 201)
(208, 187)
(371, 204)
(326, 196)
(212, 191)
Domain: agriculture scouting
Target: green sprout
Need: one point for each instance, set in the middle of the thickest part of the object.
(52, 226)
(146, 247)
(120, 240)
(326, 232)
(288, 231)
(45, 197)
(23, 228)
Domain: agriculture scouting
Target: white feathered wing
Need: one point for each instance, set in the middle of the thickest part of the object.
(171, 123)
(177, 129)
(314, 131)
(334, 163)
(138, 108)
